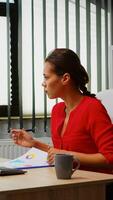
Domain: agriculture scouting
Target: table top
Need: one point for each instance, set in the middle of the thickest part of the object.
(45, 178)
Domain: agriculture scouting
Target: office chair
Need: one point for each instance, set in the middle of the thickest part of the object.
(106, 97)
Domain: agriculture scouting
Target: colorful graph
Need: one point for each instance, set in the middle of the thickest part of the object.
(34, 158)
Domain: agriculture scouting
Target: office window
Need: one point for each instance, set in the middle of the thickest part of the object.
(61, 42)
(93, 49)
(3, 62)
(40, 27)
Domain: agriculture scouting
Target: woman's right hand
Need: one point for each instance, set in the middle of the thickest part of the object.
(21, 137)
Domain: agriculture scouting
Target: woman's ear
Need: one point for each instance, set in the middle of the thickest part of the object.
(65, 78)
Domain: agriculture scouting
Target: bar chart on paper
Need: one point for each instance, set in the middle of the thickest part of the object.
(33, 158)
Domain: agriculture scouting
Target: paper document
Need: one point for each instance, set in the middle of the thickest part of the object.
(33, 158)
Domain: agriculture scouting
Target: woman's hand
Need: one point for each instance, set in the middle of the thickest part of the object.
(21, 137)
(51, 154)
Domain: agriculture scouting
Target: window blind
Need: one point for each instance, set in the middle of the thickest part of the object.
(42, 26)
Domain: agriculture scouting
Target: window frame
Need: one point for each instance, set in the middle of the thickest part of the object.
(13, 9)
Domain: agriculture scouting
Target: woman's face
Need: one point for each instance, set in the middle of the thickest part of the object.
(52, 82)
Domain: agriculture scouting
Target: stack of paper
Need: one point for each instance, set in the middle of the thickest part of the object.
(34, 158)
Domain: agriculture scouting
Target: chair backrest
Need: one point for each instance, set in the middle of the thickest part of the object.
(106, 97)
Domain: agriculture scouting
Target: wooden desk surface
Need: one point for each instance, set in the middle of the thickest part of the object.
(42, 184)
(46, 177)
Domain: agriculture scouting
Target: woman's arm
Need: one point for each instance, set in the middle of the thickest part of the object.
(40, 145)
(94, 161)
(23, 138)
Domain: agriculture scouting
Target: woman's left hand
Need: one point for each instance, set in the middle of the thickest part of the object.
(51, 154)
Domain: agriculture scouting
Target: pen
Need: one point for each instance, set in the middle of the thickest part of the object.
(28, 130)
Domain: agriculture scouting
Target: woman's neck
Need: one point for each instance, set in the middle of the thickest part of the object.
(72, 100)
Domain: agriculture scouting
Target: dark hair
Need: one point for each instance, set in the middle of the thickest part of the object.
(67, 61)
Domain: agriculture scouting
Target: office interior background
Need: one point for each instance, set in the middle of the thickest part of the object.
(29, 30)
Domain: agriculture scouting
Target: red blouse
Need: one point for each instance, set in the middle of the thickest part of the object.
(89, 129)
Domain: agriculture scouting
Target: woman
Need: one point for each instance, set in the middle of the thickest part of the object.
(80, 124)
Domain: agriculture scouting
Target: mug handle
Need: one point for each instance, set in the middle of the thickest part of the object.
(78, 165)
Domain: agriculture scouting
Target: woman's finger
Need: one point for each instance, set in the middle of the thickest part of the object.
(50, 158)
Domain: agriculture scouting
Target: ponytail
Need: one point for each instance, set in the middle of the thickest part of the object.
(86, 92)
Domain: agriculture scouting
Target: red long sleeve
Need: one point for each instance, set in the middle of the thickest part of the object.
(89, 129)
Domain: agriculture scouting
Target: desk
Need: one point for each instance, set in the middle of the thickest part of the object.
(42, 184)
